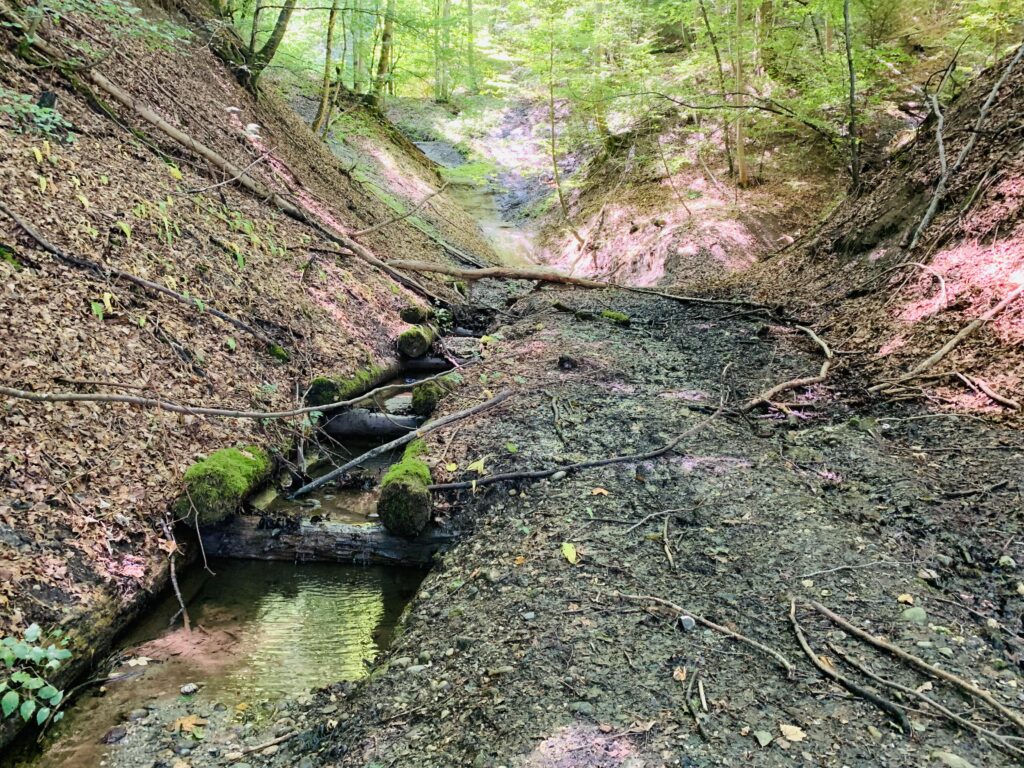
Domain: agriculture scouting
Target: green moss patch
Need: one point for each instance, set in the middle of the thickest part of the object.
(328, 389)
(405, 503)
(426, 396)
(415, 314)
(219, 484)
(416, 341)
(619, 318)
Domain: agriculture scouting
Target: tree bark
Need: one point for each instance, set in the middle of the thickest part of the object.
(721, 77)
(554, 136)
(257, 60)
(384, 63)
(742, 174)
(474, 86)
(854, 149)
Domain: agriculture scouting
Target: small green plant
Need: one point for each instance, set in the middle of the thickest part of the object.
(25, 692)
(27, 115)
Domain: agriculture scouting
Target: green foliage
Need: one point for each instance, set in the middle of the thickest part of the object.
(26, 115)
(24, 692)
(116, 16)
(218, 485)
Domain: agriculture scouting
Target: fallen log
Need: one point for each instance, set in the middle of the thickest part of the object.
(364, 423)
(322, 542)
(416, 341)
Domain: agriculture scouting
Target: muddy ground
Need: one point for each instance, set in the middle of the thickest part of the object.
(512, 655)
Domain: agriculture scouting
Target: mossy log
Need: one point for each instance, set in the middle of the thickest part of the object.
(217, 486)
(426, 396)
(415, 314)
(416, 341)
(333, 389)
(405, 503)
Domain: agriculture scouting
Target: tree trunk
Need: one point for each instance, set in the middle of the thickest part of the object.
(854, 149)
(721, 77)
(325, 87)
(554, 138)
(258, 60)
(742, 174)
(438, 64)
(384, 63)
(474, 86)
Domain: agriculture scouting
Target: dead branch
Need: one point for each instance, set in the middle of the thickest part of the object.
(539, 474)
(782, 660)
(190, 410)
(898, 715)
(962, 722)
(400, 441)
(264, 745)
(548, 276)
(921, 664)
(693, 708)
(954, 342)
(411, 212)
(785, 386)
(980, 386)
(940, 187)
(104, 271)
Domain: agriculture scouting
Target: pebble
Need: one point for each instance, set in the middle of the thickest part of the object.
(138, 714)
(687, 622)
(915, 615)
(271, 750)
(415, 669)
(529, 616)
(559, 475)
(402, 661)
(189, 688)
(115, 734)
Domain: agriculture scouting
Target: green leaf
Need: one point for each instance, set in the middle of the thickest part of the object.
(126, 229)
(42, 714)
(9, 702)
(511, 447)
(32, 633)
(231, 343)
(477, 466)
(28, 708)
(34, 683)
(58, 717)
(97, 309)
(569, 553)
(47, 692)
(200, 305)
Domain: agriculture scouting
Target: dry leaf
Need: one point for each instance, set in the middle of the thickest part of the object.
(906, 599)
(519, 560)
(599, 492)
(792, 732)
(679, 673)
(187, 724)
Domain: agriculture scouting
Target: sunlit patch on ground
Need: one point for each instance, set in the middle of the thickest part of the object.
(578, 746)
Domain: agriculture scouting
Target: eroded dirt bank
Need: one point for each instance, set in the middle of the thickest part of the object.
(512, 655)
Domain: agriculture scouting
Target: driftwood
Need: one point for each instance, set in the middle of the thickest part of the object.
(408, 438)
(967, 687)
(322, 542)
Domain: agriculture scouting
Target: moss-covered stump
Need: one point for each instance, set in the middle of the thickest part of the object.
(405, 504)
(416, 314)
(416, 341)
(426, 396)
(331, 389)
(219, 484)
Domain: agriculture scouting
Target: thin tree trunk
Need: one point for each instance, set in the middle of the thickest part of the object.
(258, 60)
(438, 65)
(554, 138)
(384, 63)
(474, 85)
(854, 149)
(721, 76)
(446, 14)
(325, 88)
(255, 24)
(742, 174)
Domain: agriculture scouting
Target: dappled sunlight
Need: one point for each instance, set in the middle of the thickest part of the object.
(580, 746)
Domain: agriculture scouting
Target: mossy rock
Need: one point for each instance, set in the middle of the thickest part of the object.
(220, 483)
(416, 341)
(426, 396)
(405, 503)
(619, 318)
(416, 314)
(328, 389)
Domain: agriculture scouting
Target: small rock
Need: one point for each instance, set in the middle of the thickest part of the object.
(688, 623)
(495, 671)
(915, 615)
(529, 616)
(402, 661)
(1007, 562)
(330, 709)
(306, 762)
(947, 652)
(188, 689)
(115, 734)
(559, 475)
(415, 669)
(875, 733)
(271, 750)
(137, 714)
(951, 760)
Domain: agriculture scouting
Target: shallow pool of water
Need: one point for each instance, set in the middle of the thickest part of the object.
(260, 631)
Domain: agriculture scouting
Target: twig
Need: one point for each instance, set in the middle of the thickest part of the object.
(769, 394)
(782, 660)
(985, 389)
(995, 737)
(878, 563)
(412, 211)
(664, 542)
(233, 179)
(271, 743)
(196, 410)
(169, 533)
(539, 474)
(897, 714)
(920, 663)
(693, 709)
(49, 247)
(397, 442)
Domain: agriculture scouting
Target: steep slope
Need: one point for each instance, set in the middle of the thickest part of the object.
(893, 305)
(85, 487)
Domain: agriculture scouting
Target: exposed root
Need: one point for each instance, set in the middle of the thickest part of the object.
(769, 394)
(898, 715)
